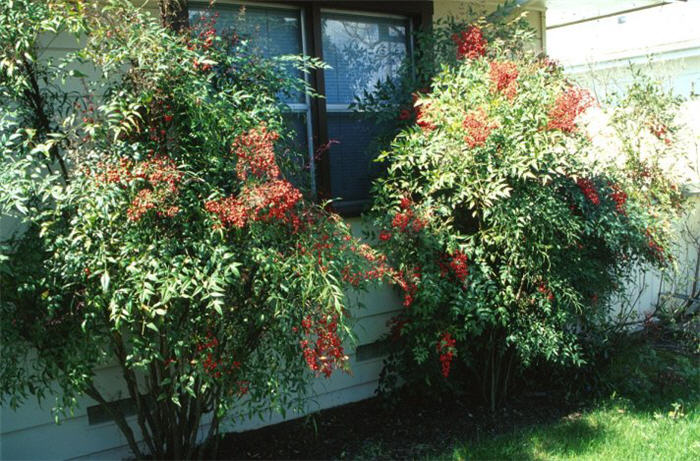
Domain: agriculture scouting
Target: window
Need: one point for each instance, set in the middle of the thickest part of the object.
(361, 49)
(362, 42)
(273, 32)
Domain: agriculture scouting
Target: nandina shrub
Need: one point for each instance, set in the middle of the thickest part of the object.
(513, 231)
(159, 230)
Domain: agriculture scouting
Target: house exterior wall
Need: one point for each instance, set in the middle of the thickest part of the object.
(30, 432)
(664, 43)
(459, 8)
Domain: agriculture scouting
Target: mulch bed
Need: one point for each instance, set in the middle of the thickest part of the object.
(407, 429)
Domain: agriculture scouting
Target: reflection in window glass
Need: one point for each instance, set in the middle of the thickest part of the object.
(271, 32)
(297, 166)
(360, 50)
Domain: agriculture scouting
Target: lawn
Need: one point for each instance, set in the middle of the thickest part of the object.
(613, 430)
(652, 412)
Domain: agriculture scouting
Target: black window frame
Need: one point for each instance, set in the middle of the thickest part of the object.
(419, 12)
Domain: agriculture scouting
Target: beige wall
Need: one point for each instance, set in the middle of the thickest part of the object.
(460, 8)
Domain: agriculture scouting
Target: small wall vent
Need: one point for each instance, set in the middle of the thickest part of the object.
(97, 414)
(372, 350)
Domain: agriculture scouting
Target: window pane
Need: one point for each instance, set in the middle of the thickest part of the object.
(351, 165)
(360, 50)
(298, 122)
(271, 31)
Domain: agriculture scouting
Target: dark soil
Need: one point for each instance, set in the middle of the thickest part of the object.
(374, 429)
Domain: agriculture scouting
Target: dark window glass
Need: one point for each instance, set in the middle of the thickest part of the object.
(361, 50)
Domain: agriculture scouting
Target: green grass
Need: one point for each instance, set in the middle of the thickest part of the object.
(642, 403)
(653, 413)
(615, 430)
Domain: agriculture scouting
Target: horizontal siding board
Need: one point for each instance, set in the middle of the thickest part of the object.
(361, 372)
(358, 392)
(378, 299)
(75, 438)
(61, 41)
(32, 414)
(72, 438)
(32, 421)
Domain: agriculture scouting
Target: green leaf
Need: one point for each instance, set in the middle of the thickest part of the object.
(104, 281)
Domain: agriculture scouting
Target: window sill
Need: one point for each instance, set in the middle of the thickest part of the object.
(351, 208)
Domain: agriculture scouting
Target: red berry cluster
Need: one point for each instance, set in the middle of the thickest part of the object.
(504, 78)
(256, 154)
(325, 353)
(656, 249)
(470, 43)
(459, 265)
(163, 178)
(545, 291)
(202, 66)
(619, 197)
(408, 282)
(380, 269)
(159, 170)
(446, 348)
(660, 131)
(140, 205)
(589, 190)
(327, 248)
(205, 29)
(422, 117)
(115, 173)
(477, 127)
(408, 114)
(212, 365)
(267, 202)
(161, 116)
(384, 235)
(568, 105)
(407, 220)
(323, 252)
(243, 386)
(273, 201)
(269, 198)
(230, 210)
